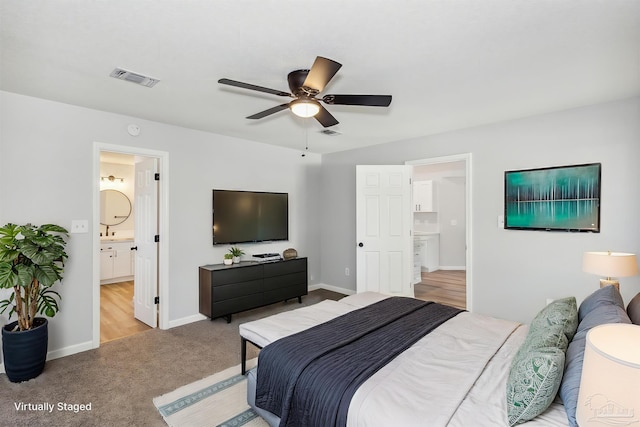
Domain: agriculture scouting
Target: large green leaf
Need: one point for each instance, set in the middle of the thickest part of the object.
(9, 231)
(52, 228)
(8, 277)
(25, 274)
(8, 254)
(47, 275)
(5, 303)
(42, 240)
(47, 303)
(37, 254)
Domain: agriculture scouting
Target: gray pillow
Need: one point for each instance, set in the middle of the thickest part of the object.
(607, 295)
(633, 309)
(533, 383)
(602, 308)
(563, 312)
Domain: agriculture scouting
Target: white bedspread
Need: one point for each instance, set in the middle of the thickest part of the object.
(454, 376)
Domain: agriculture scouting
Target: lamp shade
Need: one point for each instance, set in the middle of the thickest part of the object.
(610, 264)
(610, 384)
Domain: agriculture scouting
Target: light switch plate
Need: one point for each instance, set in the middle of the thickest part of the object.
(79, 226)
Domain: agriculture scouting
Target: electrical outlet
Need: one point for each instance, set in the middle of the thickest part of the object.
(346, 271)
(79, 226)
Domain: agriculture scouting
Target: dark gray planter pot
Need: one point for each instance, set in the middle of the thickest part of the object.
(24, 352)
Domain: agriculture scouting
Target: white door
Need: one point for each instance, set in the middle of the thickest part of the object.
(146, 254)
(383, 230)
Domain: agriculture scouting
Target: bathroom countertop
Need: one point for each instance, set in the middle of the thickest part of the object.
(425, 233)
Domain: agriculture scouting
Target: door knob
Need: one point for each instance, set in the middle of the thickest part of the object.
(134, 248)
(361, 244)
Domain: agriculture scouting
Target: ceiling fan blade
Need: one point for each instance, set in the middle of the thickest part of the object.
(253, 87)
(325, 118)
(367, 100)
(321, 72)
(270, 111)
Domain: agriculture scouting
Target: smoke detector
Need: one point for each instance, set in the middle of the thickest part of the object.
(130, 76)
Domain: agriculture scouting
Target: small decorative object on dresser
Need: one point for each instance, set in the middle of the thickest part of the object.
(228, 259)
(236, 253)
(290, 253)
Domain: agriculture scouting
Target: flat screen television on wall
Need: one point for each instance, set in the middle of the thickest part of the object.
(249, 216)
(561, 198)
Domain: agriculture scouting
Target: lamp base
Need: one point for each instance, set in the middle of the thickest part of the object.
(607, 282)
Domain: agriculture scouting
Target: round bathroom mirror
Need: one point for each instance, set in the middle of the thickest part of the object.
(115, 207)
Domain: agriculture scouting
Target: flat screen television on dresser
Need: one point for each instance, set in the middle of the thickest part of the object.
(249, 216)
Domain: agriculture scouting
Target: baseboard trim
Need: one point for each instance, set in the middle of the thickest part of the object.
(68, 351)
(452, 267)
(332, 288)
(62, 352)
(186, 320)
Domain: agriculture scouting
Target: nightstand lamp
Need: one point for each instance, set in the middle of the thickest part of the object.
(610, 265)
(608, 393)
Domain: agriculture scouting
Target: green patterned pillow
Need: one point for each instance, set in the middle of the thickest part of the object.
(539, 337)
(560, 312)
(533, 383)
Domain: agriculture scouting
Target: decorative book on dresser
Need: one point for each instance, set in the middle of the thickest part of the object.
(229, 289)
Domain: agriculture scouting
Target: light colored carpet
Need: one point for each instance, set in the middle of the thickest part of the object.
(121, 378)
(218, 400)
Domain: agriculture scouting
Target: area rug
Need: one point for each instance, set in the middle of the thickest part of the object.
(218, 400)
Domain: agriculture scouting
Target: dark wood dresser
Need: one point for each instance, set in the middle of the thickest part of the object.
(229, 289)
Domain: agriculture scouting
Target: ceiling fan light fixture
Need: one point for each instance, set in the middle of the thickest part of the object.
(305, 107)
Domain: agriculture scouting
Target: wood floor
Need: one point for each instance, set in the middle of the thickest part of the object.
(116, 312)
(444, 286)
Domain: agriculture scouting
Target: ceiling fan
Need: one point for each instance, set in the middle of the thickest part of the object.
(305, 85)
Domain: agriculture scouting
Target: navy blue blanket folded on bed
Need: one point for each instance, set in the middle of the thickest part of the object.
(309, 378)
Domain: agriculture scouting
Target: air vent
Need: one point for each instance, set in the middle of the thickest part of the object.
(132, 77)
(330, 132)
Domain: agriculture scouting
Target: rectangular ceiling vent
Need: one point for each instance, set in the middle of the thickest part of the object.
(132, 77)
(330, 132)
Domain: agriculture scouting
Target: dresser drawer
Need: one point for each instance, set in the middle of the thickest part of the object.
(234, 290)
(285, 281)
(236, 275)
(235, 305)
(285, 267)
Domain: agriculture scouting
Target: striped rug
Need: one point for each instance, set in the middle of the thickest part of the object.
(219, 400)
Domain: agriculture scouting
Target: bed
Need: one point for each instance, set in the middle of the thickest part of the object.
(458, 374)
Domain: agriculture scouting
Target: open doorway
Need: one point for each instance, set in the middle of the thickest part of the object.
(117, 246)
(442, 229)
(130, 271)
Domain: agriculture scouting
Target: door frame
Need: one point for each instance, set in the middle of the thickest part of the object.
(467, 158)
(163, 230)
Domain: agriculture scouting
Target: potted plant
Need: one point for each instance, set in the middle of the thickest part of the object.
(228, 259)
(236, 253)
(31, 261)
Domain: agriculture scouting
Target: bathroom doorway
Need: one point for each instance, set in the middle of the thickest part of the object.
(117, 247)
(129, 217)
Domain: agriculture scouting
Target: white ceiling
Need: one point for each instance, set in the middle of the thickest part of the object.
(448, 64)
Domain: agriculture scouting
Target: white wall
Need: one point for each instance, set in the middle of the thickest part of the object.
(46, 176)
(514, 272)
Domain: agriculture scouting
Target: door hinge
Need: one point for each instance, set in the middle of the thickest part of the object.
(156, 177)
(156, 238)
(156, 300)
